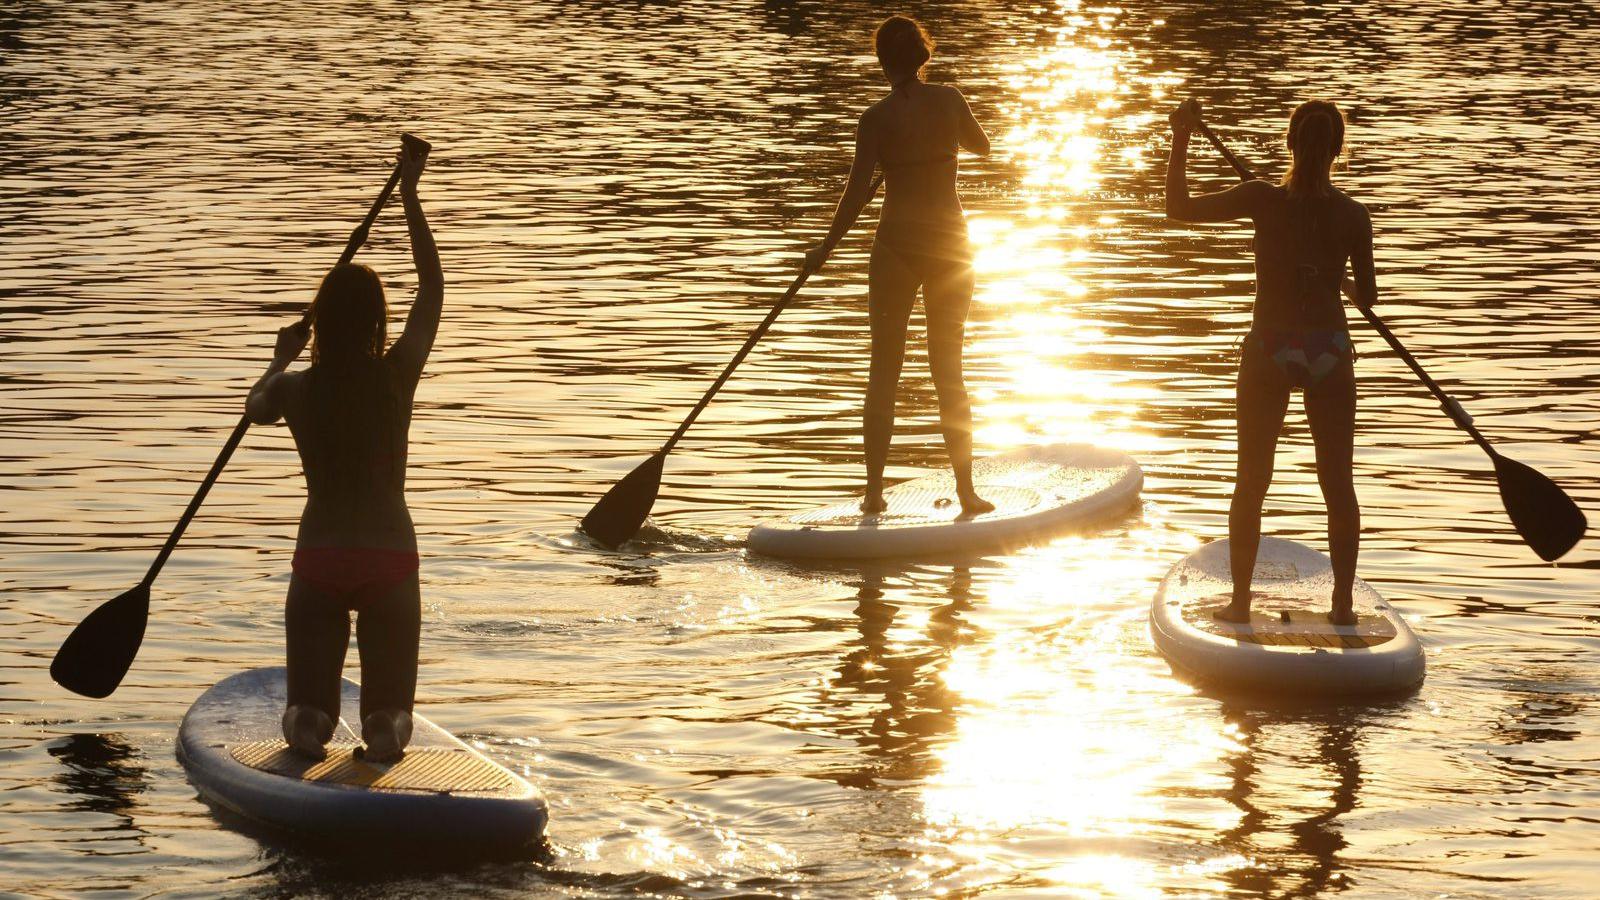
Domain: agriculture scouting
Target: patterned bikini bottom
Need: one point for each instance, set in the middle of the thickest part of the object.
(1305, 357)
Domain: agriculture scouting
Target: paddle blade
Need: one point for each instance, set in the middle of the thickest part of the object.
(99, 651)
(1542, 512)
(621, 512)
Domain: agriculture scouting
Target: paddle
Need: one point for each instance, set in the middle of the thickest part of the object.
(1542, 513)
(97, 654)
(621, 512)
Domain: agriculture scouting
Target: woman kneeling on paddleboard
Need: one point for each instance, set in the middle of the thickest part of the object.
(356, 550)
(1305, 231)
(915, 134)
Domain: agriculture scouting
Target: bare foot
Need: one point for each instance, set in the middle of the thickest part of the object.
(307, 729)
(386, 733)
(973, 505)
(872, 504)
(1342, 614)
(1237, 612)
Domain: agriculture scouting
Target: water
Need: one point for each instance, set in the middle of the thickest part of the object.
(619, 190)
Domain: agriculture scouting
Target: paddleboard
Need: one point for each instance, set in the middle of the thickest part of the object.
(442, 794)
(1037, 492)
(1289, 646)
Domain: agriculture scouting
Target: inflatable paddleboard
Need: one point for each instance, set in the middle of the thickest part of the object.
(1037, 492)
(1289, 646)
(442, 794)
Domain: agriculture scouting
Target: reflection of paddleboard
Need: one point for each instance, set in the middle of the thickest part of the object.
(1037, 491)
(1289, 645)
(441, 794)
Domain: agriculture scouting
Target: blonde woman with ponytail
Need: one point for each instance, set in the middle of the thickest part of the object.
(1306, 231)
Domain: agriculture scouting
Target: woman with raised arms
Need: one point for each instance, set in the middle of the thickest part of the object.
(356, 551)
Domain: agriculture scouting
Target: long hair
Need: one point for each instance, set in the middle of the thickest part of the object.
(352, 395)
(1316, 137)
(903, 47)
(349, 317)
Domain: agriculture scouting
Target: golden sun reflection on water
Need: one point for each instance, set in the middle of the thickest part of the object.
(1031, 267)
(1053, 747)
(1049, 749)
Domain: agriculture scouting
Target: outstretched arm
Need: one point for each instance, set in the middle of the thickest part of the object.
(969, 133)
(857, 193)
(1237, 202)
(422, 322)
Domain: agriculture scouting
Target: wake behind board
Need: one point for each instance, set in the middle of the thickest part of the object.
(1289, 647)
(1037, 492)
(442, 794)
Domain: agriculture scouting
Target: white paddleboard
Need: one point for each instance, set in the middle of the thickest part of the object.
(442, 794)
(1037, 492)
(1289, 647)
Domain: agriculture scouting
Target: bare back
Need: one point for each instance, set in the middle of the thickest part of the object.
(1301, 248)
(350, 419)
(350, 426)
(917, 132)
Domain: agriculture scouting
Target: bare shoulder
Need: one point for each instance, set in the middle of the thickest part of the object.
(871, 121)
(291, 381)
(404, 369)
(948, 93)
(1260, 190)
(291, 391)
(1352, 209)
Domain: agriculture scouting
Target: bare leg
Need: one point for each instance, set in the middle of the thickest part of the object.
(316, 635)
(387, 630)
(1262, 398)
(947, 299)
(892, 289)
(1331, 409)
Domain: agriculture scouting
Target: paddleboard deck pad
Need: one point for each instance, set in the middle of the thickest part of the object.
(441, 794)
(1289, 646)
(1037, 492)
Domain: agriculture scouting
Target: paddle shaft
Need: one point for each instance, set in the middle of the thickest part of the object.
(750, 342)
(1451, 407)
(357, 238)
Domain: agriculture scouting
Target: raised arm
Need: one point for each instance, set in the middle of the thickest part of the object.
(968, 132)
(1237, 202)
(411, 350)
(857, 192)
(265, 403)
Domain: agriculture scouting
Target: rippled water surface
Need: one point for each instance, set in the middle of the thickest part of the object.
(619, 190)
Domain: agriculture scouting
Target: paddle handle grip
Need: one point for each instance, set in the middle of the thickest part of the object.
(410, 144)
(750, 342)
(1451, 408)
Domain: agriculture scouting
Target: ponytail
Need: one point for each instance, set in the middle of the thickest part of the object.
(1316, 136)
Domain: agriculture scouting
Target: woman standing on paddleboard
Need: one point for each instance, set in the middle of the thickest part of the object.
(914, 134)
(1305, 231)
(356, 550)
